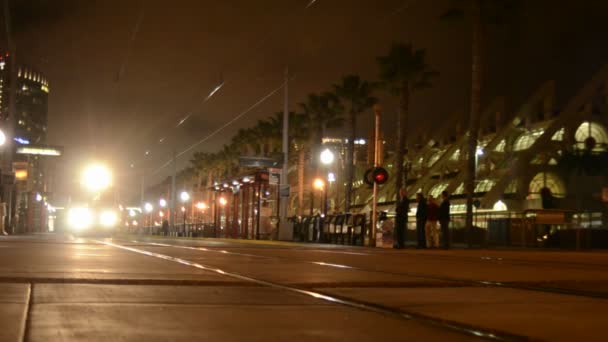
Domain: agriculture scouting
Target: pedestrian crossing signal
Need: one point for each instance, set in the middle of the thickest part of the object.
(380, 175)
(376, 175)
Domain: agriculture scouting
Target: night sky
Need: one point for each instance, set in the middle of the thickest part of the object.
(184, 49)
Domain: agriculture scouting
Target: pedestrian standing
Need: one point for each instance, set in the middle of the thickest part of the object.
(444, 219)
(421, 214)
(403, 207)
(432, 231)
(165, 227)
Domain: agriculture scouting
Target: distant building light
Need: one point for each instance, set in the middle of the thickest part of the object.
(21, 174)
(39, 151)
(22, 141)
(44, 88)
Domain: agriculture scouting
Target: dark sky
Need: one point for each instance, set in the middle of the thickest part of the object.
(184, 48)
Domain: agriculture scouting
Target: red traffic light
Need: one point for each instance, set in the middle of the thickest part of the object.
(380, 175)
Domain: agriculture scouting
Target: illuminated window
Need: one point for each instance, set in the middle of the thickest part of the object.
(456, 155)
(434, 158)
(512, 187)
(594, 130)
(437, 189)
(559, 135)
(458, 208)
(527, 139)
(500, 147)
(549, 180)
(459, 190)
(485, 185)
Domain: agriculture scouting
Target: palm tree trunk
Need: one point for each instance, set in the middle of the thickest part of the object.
(350, 163)
(301, 162)
(404, 103)
(475, 115)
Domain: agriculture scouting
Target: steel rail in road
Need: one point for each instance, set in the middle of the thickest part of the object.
(472, 282)
(465, 329)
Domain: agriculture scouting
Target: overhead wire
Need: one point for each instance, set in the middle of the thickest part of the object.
(219, 129)
(403, 6)
(212, 93)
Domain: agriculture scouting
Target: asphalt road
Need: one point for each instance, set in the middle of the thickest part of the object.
(132, 288)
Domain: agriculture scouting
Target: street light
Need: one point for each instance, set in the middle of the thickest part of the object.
(327, 157)
(162, 203)
(223, 201)
(96, 178)
(148, 207)
(184, 196)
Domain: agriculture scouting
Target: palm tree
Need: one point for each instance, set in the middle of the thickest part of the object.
(322, 113)
(403, 71)
(483, 13)
(356, 94)
(299, 136)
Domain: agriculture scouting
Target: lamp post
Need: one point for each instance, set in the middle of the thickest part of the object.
(185, 197)
(148, 208)
(319, 184)
(327, 158)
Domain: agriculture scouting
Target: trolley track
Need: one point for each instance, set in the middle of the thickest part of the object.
(456, 281)
(438, 323)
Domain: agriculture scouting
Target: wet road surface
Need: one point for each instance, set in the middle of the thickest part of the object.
(135, 288)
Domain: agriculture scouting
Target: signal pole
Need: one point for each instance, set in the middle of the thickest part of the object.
(173, 201)
(372, 239)
(284, 183)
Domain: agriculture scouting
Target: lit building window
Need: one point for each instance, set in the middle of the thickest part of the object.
(437, 189)
(527, 139)
(458, 208)
(499, 206)
(559, 135)
(500, 147)
(459, 190)
(593, 130)
(485, 185)
(512, 187)
(434, 158)
(548, 180)
(456, 155)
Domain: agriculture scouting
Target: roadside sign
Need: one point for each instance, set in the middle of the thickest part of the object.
(285, 190)
(273, 178)
(260, 162)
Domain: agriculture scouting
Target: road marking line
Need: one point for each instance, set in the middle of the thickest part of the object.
(439, 323)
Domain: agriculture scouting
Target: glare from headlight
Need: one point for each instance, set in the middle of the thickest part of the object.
(108, 218)
(80, 218)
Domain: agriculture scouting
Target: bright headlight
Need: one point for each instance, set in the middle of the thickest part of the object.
(108, 218)
(80, 218)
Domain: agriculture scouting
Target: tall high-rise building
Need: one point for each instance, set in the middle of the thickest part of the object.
(25, 200)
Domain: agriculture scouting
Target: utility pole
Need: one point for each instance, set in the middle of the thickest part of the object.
(284, 183)
(372, 239)
(173, 200)
(143, 190)
(7, 165)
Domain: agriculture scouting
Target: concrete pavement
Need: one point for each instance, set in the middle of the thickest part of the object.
(66, 289)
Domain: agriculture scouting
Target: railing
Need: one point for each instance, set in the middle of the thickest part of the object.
(345, 229)
(528, 229)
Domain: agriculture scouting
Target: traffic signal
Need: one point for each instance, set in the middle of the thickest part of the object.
(380, 175)
(376, 175)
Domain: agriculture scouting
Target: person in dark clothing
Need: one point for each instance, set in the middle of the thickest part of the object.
(444, 219)
(403, 207)
(421, 215)
(165, 227)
